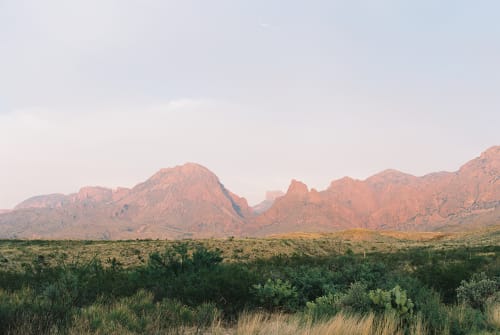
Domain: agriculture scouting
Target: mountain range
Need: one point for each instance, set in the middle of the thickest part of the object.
(189, 201)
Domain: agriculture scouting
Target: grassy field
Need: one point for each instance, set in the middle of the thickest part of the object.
(350, 282)
(13, 253)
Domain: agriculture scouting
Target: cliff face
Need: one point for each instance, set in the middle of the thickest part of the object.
(190, 201)
(389, 200)
(268, 202)
(184, 201)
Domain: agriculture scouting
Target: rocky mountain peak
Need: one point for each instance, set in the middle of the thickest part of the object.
(297, 188)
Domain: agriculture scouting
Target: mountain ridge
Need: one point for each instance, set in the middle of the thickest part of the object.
(189, 200)
(389, 200)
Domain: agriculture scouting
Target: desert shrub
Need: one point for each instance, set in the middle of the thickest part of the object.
(10, 280)
(174, 314)
(178, 259)
(206, 314)
(355, 300)
(139, 314)
(464, 319)
(322, 308)
(310, 282)
(445, 277)
(478, 290)
(395, 300)
(23, 307)
(188, 285)
(141, 303)
(349, 269)
(276, 294)
(428, 303)
(61, 296)
(176, 274)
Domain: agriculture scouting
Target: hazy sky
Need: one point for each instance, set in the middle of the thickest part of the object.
(99, 92)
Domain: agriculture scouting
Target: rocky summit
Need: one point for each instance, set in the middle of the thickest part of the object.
(190, 201)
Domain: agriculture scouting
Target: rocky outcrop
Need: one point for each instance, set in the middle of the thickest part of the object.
(55, 200)
(389, 200)
(271, 196)
(190, 201)
(184, 201)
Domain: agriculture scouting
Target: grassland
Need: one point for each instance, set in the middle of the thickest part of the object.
(129, 253)
(350, 282)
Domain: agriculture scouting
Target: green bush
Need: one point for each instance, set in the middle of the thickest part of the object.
(322, 308)
(429, 305)
(478, 290)
(276, 294)
(464, 319)
(393, 300)
(206, 314)
(23, 308)
(354, 300)
(310, 281)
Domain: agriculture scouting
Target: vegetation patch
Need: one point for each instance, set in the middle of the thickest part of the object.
(319, 285)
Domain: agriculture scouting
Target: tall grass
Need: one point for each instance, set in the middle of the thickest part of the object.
(340, 324)
(493, 316)
(123, 318)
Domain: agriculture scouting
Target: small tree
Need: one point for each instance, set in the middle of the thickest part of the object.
(478, 290)
(276, 295)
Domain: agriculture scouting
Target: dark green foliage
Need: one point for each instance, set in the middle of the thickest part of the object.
(197, 277)
(478, 290)
(323, 307)
(446, 274)
(310, 281)
(465, 320)
(354, 300)
(188, 284)
(276, 294)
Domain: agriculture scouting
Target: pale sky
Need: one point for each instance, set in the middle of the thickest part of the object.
(102, 92)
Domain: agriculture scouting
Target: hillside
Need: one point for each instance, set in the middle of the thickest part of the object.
(392, 200)
(174, 203)
(190, 201)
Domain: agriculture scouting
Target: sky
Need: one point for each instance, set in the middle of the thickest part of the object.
(107, 92)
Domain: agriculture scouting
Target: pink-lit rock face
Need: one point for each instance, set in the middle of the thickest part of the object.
(297, 188)
(183, 201)
(263, 206)
(389, 200)
(44, 201)
(190, 201)
(273, 195)
(93, 194)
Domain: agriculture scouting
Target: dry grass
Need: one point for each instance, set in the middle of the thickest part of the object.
(341, 324)
(360, 234)
(418, 326)
(493, 316)
(132, 253)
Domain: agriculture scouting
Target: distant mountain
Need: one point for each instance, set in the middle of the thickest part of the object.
(271, 196)
(184, 201)
(390, 200)
(190, 201)
(44, 201)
